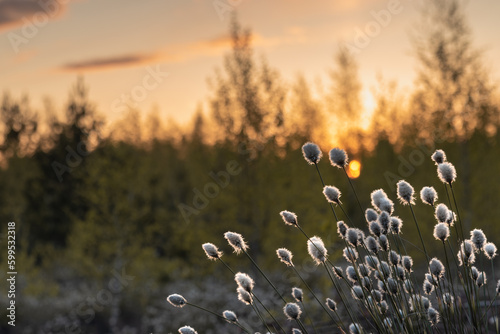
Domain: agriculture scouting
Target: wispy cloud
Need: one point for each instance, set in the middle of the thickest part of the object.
(177, 53)
(15, 13)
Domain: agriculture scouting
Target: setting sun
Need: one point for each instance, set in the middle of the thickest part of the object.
(354, 169)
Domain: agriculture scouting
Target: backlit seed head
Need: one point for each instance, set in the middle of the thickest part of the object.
(384, 220)
(363, 270)
(338, 272)
(236, 241)
(384, 307)
(466, 253)
(436, 268)
(442, 213)
(371, 215)
(478, 239)
(331, 304)
(342, 228)
(244, 281)
(381, 202)
(452, 217)
(441, 231)
(350, 254)
(447, 172)
(338, 158)
(396, 225)
(244, 296)
(438, 157)
(474, 273)
(372, 244)
(357, 292)
(355, 329)
(177, 300)
(292, 311)
(407, 263)
(405, 192)
(289, 218)
(384, 269)
(431, 279)
(490, 250)
(481, 279)
(371, 261)
(384, 242)
(297, 294)
(311, 153)
(211, 251)
(428, 287)
(230, 316)
(352, 236)
(285, 256)
(448, 299)
(375, 228)
(433, 316)
(392, 285)
(332, 194)
(351, 274)
(317, 250)
(376, 295)
(428, 195)
(400, 272)
(187, 330)
(394, 258)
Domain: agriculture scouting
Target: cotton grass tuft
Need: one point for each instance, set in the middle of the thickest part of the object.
(177, 300)
(292, 311)
(316, 249)
(428, 195)
(236, 241)
(211, 251)
(447, 172)
(338, 158)
(311, 153)
(332, 194)
(405, 192)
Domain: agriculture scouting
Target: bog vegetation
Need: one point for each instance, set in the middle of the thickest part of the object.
(110, 217)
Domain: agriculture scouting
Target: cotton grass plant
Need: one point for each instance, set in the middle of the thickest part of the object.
(377, 291)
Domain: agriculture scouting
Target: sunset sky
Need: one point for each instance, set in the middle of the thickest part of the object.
(117, 44)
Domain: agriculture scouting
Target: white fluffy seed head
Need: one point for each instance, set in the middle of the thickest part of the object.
(331, 304)
(433, 316)
(396, 225)
(285, 256)
(375, 228)
(244, 281)
(384, 242)
(289, 218)
(292, 311)
(438, 157)
(405, 192)
(481, 279)
(338, 158)
(441, 231)
(187, 330)
(478, 239)
(371, 261)
(447, 172)
(355, 329)
(230, 316)
(448, 299)
(317, 250)
(351, 274)
(394, 258)
(428, 195)
(428, 287)
(211, 251)
(490, 250)
(381, 202)
(442, 213)
(384, 220)
(350, 254)
(298, 294)
(177, 300)
(338, 272)
(311, 153)
(466, 253)
(342, 228)
(352, 236)
(407, 263)
(357, 292)
(372, 244)
(371, 215)
(236, 241)
(436, 268)
(332, 194)
(244, 296)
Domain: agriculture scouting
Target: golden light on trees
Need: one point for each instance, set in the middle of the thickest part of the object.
(354, 169)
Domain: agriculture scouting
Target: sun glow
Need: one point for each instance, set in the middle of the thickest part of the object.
(354, 169)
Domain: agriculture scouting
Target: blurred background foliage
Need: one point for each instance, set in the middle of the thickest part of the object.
(90, 197)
